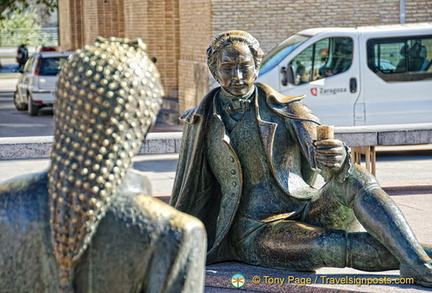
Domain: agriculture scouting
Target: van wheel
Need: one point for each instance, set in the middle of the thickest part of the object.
(33, 109)
(19, 106)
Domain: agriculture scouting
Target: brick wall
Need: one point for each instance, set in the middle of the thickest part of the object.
(136, 20)
(91, 21)
(163, 41)
(70, 24)
(195, 36)
(418, 11)
(155, 21)
(64, 24)
(272, 21)
(82, 21)
(111, 18)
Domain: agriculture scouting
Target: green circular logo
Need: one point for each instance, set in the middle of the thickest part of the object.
(238, 280)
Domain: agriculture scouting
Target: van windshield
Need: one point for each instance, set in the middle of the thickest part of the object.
(278, 53)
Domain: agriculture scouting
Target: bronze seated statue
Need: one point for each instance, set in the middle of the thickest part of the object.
(88, 223)
(248, 161)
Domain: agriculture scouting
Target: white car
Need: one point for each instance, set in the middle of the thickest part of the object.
(36, 85)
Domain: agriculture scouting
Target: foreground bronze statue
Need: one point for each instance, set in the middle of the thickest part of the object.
(89, 224)
(248, 161)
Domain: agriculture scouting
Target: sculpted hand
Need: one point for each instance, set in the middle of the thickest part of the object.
(330, 154)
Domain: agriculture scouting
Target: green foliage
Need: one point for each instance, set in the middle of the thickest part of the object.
(19, 6)
(19, 23)
(20, 20)
(20, 28)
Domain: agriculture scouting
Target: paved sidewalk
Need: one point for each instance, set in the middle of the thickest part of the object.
(406, 180)
(410, 187)
(399, 177)
(8, 82)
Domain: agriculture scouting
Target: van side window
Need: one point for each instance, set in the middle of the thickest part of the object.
(401, 59)
(325, 58)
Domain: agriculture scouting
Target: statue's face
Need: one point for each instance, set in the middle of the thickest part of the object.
(236, 69)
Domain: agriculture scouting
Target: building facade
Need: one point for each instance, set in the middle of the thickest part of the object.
(178, 32)
(154, 21)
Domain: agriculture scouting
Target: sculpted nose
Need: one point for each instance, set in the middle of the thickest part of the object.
(237, 74)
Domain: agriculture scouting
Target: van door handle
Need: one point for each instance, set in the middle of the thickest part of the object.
(353, 85)
(284, 74)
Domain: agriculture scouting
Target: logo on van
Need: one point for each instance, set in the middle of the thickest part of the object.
(332, 91)
(323, 91)
(314, 91)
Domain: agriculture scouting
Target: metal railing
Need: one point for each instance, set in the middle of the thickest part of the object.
(31, 37)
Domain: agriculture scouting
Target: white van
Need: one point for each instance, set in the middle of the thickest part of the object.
(357, 76)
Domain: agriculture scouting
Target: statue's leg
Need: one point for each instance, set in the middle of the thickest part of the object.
(381, 218)
(295, 245)
(321, 238)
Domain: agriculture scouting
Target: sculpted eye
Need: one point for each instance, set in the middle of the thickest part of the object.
(226, 67)
(247, 66)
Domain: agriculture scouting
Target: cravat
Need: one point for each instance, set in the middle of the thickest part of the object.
(237, 105)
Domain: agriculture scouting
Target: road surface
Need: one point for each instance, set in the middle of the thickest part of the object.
(14, 123)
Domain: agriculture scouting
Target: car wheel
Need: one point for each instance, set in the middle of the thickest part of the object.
(19, 106)
(33, 109)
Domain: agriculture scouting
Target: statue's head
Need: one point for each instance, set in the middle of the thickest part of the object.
(234, 58)
(108, 96)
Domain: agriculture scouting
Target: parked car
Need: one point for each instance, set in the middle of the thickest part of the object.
(36, 84)
(357, 76)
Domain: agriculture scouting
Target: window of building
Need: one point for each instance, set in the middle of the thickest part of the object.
(325, 58)
(401, 59)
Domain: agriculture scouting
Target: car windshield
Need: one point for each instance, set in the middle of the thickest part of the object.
(51, 65)
(275, 55)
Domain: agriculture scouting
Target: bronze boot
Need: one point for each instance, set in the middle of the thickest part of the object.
(383, 219)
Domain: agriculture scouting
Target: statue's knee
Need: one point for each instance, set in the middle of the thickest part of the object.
(361, 176)
(358, 182)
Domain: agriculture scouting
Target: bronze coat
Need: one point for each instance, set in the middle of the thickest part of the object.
(196, 190)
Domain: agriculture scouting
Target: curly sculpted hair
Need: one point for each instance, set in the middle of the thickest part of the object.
(230, 38)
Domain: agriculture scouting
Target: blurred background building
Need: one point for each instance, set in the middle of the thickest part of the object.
(177, 32)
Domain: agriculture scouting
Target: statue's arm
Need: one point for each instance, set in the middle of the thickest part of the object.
(304, 133)
(183, 166)
(302, 124)
(190, 163)
(196, 190)
(304, 130)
